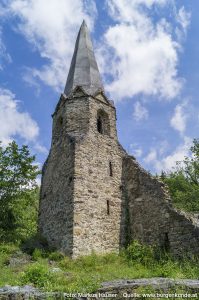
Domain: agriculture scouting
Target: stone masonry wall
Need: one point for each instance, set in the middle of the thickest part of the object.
(56, 198)
(56, 210)
(96, 228)
(151, 217)
(80, 206)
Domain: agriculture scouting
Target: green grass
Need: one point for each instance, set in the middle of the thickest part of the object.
(54, 272)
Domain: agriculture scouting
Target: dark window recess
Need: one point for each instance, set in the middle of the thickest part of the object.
(102, 122)
(108, 207)
(99, 125)
(110, 169)
(166, 242)
(60, 121)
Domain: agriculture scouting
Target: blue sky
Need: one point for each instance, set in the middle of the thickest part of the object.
(147, 52)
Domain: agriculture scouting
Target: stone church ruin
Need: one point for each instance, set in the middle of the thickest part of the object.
(94, 196)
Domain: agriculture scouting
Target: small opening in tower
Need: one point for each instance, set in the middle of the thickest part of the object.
(166, 242)
(110, 169)
(99, 125)
(61, 121)
(108, 207)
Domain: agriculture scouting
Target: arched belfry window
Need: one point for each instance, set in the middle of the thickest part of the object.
(103, 123)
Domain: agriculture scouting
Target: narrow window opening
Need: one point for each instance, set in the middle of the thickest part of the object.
(166, 242)
(108, 207)
(99, 125)
(110, 169)
(61, 121)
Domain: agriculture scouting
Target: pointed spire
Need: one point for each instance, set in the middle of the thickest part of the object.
(83, 69)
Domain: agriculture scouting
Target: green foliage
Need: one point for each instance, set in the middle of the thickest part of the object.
(138, 252)
(37, 254)
(6, 250)
(18, 192)
(17, 172)
(35, 242)
(56, 256)
(25, 211)
(37, 274)
(183, 182)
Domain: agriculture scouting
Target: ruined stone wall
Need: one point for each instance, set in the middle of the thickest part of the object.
(151, 217)
(97, 195)
(56, 198)
(56, 210)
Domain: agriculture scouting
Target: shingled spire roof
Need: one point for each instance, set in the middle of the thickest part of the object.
(83, 69)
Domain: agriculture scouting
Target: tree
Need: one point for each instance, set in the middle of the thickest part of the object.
(183, 182)
(17, 181)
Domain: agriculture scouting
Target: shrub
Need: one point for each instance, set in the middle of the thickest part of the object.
(139, 253)
(110, 258)
(87, 262)
(37, 254)
(35, 242)
(56, 256)
(37, 275)
(67, 263)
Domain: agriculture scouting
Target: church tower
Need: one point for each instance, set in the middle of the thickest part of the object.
(81, 190)
(94, 196)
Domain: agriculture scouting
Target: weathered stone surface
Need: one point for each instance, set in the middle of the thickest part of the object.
(151, 217)
(163, 284)
(77, 189)
(17, 293)
(119, 288)
(160, 288)
(28, 292)
(19, 258)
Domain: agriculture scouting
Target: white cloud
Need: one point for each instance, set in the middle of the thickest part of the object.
(40, 148)
(160, 162)
(140, 112)
(136, 150)
(51, 27)
(4, 55)
(151, 156)
(183, 18)
(142, 55)
(179, 118)
(13, 122)
(168, 162)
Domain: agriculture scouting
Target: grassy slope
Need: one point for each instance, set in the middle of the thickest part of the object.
(86, 273)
